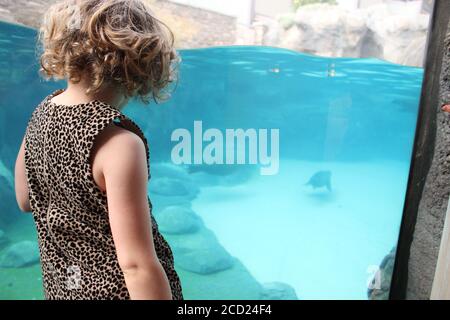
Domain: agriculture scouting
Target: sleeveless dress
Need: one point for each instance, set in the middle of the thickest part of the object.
(77, 252)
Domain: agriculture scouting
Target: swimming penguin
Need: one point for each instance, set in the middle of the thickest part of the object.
(320, 179)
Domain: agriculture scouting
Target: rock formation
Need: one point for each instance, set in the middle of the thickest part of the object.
(391, 31)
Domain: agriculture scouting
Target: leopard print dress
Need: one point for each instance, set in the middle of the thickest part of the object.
(78, 256)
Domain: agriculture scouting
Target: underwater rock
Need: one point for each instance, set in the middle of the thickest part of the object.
(173, 187)
(8, 203)
(169, 170)
(379, 288)
(161, 202)
(200, 252)
(226, 175)
(9, 210)
(20, 254)
(165, 191)
(7, 195)
(206, 260)
(214, 169)
(178, 220)
(233, 283)
(320, 179)
(6, 174)
(278, 291)
(169, 187)
(3, 239)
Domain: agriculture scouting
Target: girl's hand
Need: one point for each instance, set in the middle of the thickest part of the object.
(446, 108)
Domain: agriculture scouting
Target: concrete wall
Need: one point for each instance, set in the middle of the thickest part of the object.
(240, 9)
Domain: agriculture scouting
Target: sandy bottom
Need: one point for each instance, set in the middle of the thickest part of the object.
(323, 244)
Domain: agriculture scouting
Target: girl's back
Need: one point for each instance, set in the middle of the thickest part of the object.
(98, 238)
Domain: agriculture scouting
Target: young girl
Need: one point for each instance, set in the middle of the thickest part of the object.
(83, 165)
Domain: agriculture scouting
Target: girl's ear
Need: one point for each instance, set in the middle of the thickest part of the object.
(446, 107)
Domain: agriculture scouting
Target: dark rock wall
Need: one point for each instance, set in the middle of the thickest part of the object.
(430, 219)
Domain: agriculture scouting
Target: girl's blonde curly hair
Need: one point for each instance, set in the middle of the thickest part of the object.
(114, 41)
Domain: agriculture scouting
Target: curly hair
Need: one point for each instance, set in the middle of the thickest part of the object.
(114, 41)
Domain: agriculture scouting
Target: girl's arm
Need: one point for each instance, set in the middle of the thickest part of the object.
(20, 180)
(123, 162)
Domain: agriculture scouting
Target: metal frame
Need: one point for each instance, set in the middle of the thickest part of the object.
(424, 141)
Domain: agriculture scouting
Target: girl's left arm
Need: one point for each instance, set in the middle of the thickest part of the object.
(20, 180)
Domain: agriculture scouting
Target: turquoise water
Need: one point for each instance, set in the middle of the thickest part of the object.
(237, 233)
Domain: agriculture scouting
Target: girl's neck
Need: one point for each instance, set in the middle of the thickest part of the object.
(76, 93)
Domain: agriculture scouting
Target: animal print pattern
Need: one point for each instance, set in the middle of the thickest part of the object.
(78, 256)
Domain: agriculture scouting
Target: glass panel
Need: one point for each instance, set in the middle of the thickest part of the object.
(295, 123)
